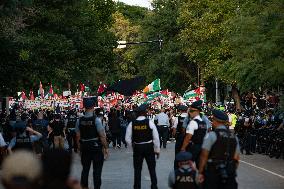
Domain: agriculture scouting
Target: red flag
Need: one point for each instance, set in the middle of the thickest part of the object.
(23, 96)
(198, 91)
(82, 87)
(55, 96)
(101, 88)
(32, 97)
(165, 92)
(50, 90)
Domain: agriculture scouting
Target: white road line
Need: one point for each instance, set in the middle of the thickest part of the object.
(281, 176)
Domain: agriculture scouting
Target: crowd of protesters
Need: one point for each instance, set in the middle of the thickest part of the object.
(259, 126)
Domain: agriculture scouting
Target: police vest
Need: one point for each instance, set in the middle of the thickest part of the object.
(141, 131)
(88, 128)
(23, 142)
(180, 124)
(71, 122)
(89, 135)
(224, 147)
(184, 180)
(199, 133)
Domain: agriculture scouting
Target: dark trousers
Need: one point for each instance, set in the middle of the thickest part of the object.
(163, 134)
(246, 142)
(195, 150)
(178, 145)
(123, 132)
(71, 138)
(141, 151)
(116, 138)
(97, 158)
(213, 181)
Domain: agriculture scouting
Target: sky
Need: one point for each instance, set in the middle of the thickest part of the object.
(142, 3)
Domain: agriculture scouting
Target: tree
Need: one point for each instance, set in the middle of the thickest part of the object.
(125, 66)
(168, 63)
(134, 14)
(205, 23)
(62, 41)
(256, 42)
(12, 16)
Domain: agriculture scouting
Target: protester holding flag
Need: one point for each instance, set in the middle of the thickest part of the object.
(152, 87)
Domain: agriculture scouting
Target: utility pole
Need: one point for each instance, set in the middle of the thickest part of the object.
(217, 91)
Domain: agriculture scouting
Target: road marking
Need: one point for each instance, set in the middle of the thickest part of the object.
(281, 176)
(147, 178)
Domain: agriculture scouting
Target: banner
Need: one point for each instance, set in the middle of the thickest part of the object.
(66, 93)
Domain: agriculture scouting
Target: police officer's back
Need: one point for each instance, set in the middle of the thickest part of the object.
(91, 141)
(220, 155)
(142, 134)
(195, 131)
(24, 138)
(71, 134)
(179, 127)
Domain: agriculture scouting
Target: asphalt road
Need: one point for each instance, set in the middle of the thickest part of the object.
(255, 172)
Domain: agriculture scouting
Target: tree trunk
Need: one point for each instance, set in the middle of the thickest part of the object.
(236, 97)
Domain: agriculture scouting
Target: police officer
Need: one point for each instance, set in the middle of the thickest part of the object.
(24, 138)
(195, 131)
(142, 134)
(163, 122)
(220, 155)
(91, 141)
(71, 134)
(179, 127)
(185, 175)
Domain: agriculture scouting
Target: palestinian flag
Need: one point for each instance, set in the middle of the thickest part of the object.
(22, 96)
(190, 94)
(154, 86)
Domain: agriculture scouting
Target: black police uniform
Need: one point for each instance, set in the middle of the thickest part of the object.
(184, 180)
(197, 140)
(180, 133)
(23, 142)
(71, 134)
(221, 168)
(141, 134)
(91, 151)
(184, 177)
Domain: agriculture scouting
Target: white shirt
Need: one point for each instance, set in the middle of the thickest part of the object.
(176, 119)
(163, 119)
(192, 126)
(156, 140)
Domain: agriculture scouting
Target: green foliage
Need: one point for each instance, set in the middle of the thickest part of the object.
(168, 63)
(256, 42)
(134, 14)
(55, 42)
(205, 23)
(124, 30)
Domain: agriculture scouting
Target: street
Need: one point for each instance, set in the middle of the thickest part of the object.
(255, 172)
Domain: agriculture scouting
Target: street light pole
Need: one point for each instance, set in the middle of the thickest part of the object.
(123, 44)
